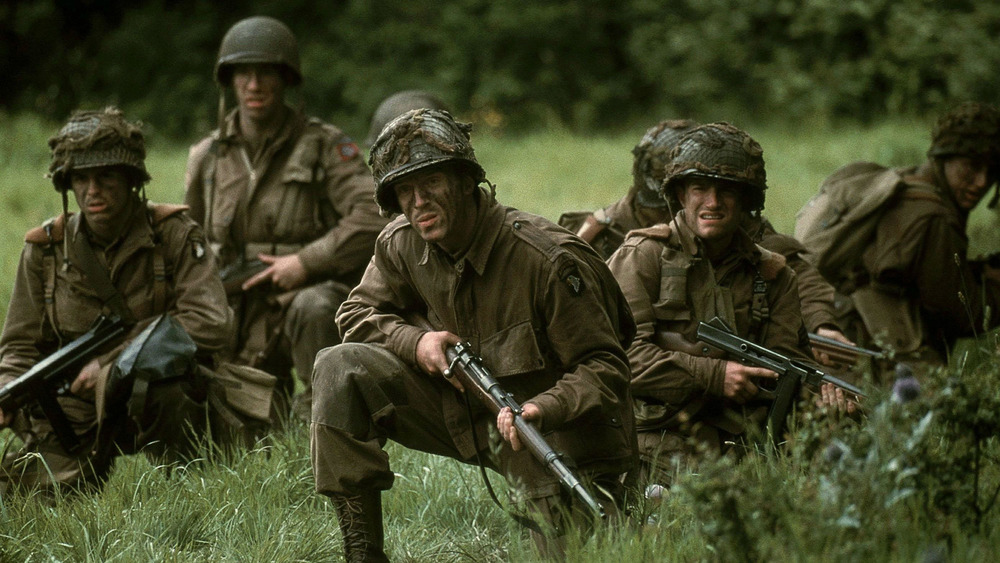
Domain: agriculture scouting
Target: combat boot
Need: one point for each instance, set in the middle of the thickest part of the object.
(360, 519)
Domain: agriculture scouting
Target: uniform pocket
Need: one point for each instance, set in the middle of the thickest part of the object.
(672, 303)
(513, 351)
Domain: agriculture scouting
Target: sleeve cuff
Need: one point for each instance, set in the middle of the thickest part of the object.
(553, 413)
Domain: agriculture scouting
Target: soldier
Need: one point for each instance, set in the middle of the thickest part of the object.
(517, 287)
(699, 266)
(123, 256)
(398, 104)
(643, 206)
(290, 191)
(912, 285)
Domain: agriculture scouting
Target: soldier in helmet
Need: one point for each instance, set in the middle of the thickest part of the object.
(284, 197)
(398, 104)
(519, 289)
(119, 256)
(915, 289)
(701, 265)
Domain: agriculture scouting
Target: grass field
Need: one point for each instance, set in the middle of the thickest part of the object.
(899, 487)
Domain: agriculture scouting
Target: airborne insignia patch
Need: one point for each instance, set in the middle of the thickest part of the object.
(347, 151)
(575, 283)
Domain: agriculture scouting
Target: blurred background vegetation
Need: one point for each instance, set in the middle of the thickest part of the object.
(588, 65)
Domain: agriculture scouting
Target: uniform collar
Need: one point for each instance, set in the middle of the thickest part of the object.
(296, 119)
(489, 221)
(742, 245)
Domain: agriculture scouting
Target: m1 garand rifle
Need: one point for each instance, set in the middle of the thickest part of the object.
(469, 369)
(791, 373)
(50, 378)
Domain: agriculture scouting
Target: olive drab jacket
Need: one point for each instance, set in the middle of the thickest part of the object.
(604, 229)
(537, 304)
(51, 306)
(307, 191)
(909, 290)
(671, 288)
(816, 294)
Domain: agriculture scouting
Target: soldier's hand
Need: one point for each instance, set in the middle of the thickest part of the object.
(286, 272)
(738, 384)
(833, 334)
(84, 383)
(505, 423)
(833, 400)
(431, 356)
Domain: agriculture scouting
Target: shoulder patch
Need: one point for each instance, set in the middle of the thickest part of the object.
(660, 231)
(163, 210)
(347, 150)
(569, 273)
(52, 230)
(771, 263)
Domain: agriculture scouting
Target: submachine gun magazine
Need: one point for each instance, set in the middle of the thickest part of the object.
(50, 378)
(474, 376)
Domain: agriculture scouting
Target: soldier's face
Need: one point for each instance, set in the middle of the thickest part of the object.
(103, 196)
(969, 179)
(439, 207)
(713, 209)
(260, 91)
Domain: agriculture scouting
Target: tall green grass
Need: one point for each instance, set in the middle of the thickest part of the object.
(877, 501)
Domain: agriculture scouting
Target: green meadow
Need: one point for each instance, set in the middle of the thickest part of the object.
(909, 482)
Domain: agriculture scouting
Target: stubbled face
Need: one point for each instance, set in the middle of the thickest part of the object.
(439, 207)
(968, 179)
(713, 210)
(260, 91)
(103, 195)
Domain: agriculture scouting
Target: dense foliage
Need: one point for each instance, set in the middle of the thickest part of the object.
(586, 64)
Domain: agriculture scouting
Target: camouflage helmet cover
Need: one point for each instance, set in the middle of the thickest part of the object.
(416, 140)
(398, 104)
(720, 151)
(91, 139)
(651, 157)
(258, 39)
(971, 129)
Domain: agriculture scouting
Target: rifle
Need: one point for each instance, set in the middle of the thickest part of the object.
(841, 353)
(475, 377)
(236, 274)
(790, 372)
(50, 378)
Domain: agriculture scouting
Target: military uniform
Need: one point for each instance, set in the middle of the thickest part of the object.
(604, 229)
(908, 288)
(551, 331)
(815, 293)
(157, 265)
(670, 288)
(308, 192)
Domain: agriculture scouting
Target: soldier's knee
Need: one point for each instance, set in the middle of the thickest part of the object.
(336, 367)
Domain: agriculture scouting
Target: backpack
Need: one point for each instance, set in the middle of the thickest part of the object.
(839, 222)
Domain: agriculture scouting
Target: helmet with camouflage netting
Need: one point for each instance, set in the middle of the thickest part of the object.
(92, 139)
(720, 151)
(414, 141)
(261, 40)
(398, 104)
(651, 157)
(971, 129)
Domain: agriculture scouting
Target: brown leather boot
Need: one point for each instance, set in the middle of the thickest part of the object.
(361, 525)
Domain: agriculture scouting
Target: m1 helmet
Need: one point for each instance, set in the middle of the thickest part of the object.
(258, 39)
(398, 104)
(414, 141)
(651, 157)
(971, 129)
(720, 151)
(92, 139)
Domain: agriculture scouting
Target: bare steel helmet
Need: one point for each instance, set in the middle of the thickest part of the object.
(258, 39)
(92, 139)
(971, 129)
(720, 151)
(398, 104)
(651, 157)
(416, 140)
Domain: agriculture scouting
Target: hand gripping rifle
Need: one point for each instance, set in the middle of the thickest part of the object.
(475, 377)
(50, 378)
(791, 373)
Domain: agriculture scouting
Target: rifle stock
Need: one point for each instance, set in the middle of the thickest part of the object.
(470, 371)
(790, 372)
(50, 378)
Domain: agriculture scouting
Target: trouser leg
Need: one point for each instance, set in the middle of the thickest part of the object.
(310, 327)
